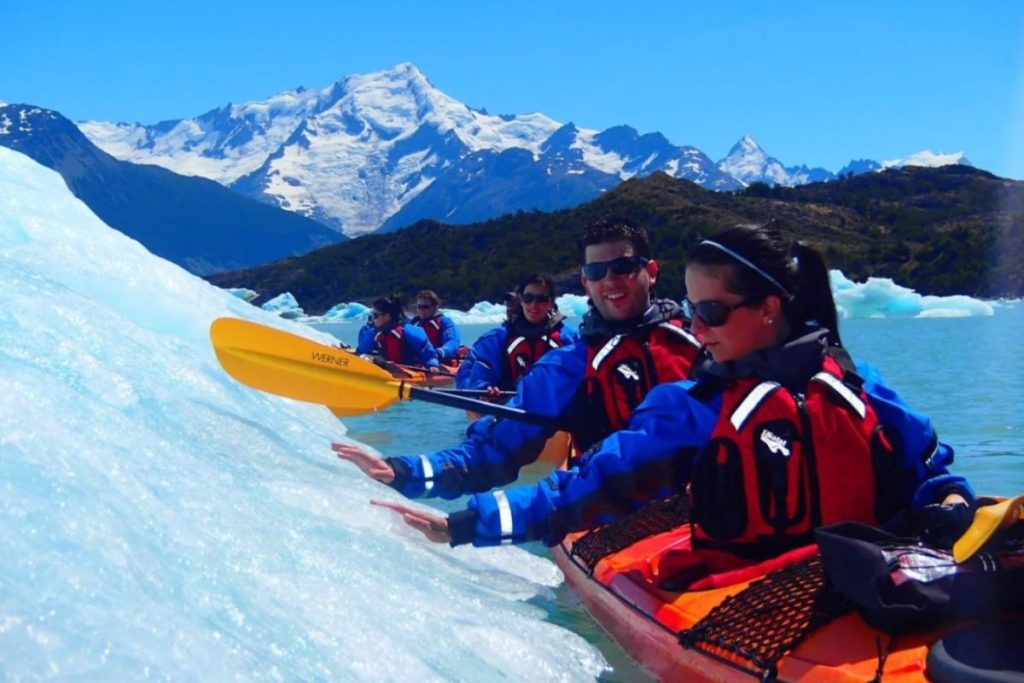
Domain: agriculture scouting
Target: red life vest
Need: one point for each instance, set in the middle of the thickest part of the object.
(780, 464)
(521, 353)
(432, 326)
(388, 343)
(621, 371)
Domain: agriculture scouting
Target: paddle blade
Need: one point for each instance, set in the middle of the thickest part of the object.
(288, 365)
(988, 519)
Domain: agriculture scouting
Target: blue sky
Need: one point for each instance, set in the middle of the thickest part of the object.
(814, 83)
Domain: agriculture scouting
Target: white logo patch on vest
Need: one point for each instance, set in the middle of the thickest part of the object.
(628, 372)
(775, 443)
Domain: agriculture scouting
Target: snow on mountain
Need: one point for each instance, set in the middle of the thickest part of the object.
(355, 153)
(928, 159)
(748, 163)
(193, 221)
(349, 155)
(573, 166)
(387, 148)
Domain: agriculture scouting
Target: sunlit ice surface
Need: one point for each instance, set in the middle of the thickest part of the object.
(159, 520)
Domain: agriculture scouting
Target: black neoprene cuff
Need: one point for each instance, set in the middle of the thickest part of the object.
(462, 526)
(402, 475)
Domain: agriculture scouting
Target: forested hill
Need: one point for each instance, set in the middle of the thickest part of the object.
(949, 230)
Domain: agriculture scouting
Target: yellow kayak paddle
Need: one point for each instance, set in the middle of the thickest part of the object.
(988, 519)
(286, 364)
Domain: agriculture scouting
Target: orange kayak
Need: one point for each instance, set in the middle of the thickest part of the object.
(620, 591)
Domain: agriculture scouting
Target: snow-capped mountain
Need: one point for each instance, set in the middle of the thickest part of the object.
(350, 155)
(355, 153)
(572, 166)
(928, 159)
(192, 221)
(388, 148)
(748, 163)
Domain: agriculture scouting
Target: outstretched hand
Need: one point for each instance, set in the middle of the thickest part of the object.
(370, 464)
(431, 525)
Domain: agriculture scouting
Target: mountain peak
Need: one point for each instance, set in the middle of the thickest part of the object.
(26, 120)
(747, 145)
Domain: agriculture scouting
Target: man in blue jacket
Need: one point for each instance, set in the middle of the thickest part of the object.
(629, 343)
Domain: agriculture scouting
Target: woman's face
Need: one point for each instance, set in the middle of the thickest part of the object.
(380, 319)
(537, 303)
(747, 328)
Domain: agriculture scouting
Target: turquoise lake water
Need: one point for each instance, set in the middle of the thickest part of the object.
(966, 374)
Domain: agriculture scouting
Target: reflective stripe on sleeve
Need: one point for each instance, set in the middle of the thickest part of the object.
(504, 517)
(428, 474)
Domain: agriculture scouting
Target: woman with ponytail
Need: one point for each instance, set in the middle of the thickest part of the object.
(780, 432)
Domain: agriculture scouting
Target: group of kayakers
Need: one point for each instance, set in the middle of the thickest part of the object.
(744, 397)
(426, 339)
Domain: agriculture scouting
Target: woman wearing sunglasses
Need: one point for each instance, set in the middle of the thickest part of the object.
(387, 335)
(440, 329)
(779, 434)
(502, 356)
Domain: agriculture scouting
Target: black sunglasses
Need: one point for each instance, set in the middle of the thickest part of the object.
(624, 265)
(710, 312)
(377, 314)
(424, 306)
(528, 298)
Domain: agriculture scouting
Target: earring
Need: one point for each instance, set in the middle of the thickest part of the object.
(769, 321)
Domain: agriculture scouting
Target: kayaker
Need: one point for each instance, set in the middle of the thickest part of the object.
(388, 336)
(780, 433)
(500, 357)
(440, 329)
(513, 307)
(629, 342)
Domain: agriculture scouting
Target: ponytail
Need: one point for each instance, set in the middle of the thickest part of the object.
(814, 301)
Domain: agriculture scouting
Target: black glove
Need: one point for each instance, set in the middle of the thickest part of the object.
(936, 525)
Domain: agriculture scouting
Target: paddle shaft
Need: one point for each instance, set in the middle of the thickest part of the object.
(476, 392)
(447, 398)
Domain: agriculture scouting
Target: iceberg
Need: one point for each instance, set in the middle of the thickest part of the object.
(883, 298)
(160, 521)
(342, 312)
(285, 306)
(242, 293)
(876, 298)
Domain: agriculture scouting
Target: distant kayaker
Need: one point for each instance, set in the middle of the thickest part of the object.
(440, 329)
(500, 357)
(513, 307)
(629, 343)
(388, 336)
(779, 434)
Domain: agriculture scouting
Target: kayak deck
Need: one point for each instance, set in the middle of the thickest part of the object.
(620, 592)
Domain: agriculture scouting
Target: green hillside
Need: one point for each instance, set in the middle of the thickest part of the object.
(950, 230)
